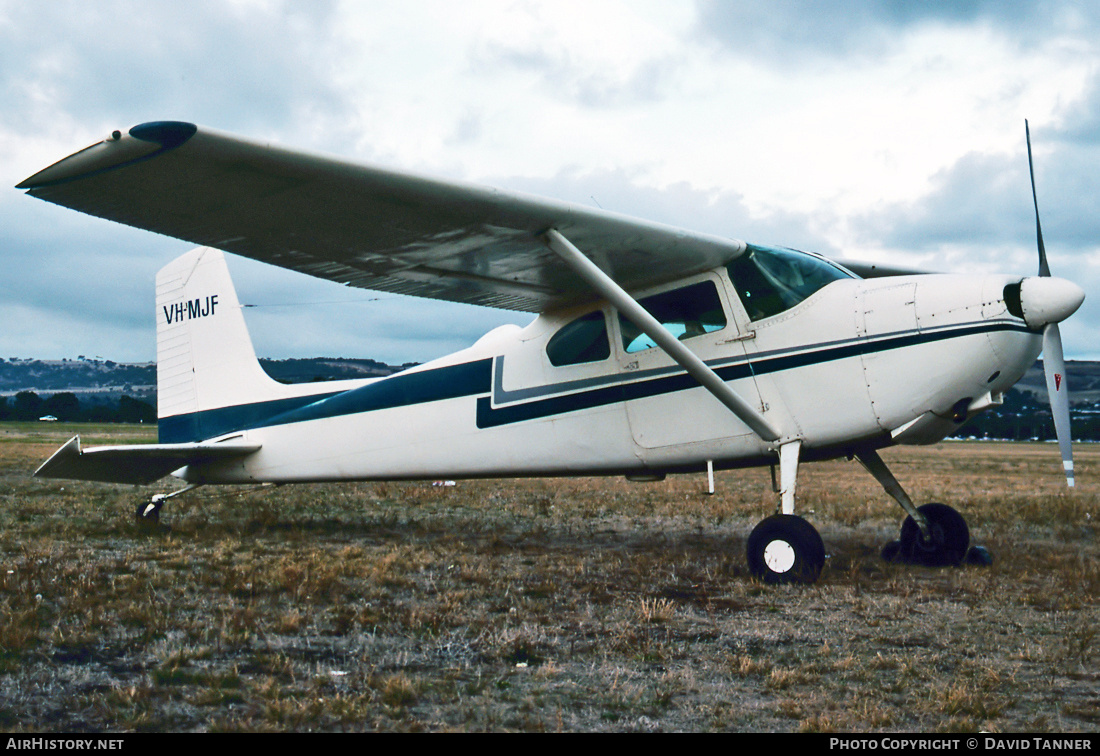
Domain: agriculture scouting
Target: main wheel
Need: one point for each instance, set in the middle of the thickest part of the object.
(949, 538)
(785, 549)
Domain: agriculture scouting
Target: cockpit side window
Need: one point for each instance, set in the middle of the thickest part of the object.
(579, 341)
(770, 280)
(691, 311)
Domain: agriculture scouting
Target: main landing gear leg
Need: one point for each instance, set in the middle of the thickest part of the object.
(934, 535)
(148, 512)
(785, 548)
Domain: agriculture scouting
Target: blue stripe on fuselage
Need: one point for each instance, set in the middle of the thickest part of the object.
(199, 426)
(489, 416)
(403, 389)
(759, 364)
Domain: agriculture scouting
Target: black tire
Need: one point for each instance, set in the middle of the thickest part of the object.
(785, 549)
(148, 512)
(948, 543)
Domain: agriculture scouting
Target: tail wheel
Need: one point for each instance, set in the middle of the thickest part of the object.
(148, 512)
(948, 541)
(785, 549)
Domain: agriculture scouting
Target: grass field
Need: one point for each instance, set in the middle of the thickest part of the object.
(577, 605)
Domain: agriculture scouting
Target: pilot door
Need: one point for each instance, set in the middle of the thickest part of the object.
(665, 406)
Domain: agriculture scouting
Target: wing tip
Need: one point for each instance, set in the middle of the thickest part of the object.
(148, 140)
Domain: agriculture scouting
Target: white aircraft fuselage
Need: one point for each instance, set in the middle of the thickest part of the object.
(858, 363)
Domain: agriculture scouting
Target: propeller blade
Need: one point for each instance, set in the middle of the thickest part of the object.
(1054, 365)
(1044, 269)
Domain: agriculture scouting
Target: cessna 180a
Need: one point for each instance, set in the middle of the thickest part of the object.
(655, 350)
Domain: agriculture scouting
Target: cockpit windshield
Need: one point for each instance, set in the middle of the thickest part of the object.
(771, 280)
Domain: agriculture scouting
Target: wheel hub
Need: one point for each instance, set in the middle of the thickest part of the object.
(779, 555)
(785, 549)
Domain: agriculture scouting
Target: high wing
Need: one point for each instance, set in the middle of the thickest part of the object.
(364, 226)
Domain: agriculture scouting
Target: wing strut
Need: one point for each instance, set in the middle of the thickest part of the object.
(629, 307)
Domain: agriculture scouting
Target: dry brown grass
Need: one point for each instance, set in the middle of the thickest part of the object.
(546, 605)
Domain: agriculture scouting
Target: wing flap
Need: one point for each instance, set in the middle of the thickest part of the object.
(361, 225)
(137, 464)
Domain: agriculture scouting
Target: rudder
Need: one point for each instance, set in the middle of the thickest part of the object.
(205, 357)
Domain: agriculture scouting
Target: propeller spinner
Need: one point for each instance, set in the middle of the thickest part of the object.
(1045, 302)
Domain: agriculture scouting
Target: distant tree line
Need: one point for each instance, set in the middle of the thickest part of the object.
(65, 406)
(1020, 418)
(134, 379)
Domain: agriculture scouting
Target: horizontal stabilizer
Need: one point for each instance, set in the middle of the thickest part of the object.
(138, 463)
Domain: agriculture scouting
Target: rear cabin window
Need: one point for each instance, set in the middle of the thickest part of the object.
(691, 311)
(579, 341)
(770, 281)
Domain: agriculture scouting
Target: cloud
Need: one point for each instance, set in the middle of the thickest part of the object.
(982, 198)
(206, 61)
(1078, 127)
(985, 200)
(791, 32)
(562, 76)
(712, 211)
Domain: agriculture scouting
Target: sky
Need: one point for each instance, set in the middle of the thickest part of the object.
(888, 131)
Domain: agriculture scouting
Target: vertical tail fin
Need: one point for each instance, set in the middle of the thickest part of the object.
(205, 358)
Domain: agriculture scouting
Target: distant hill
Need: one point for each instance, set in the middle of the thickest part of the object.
(1084, 382)
(105, 380)
(90, 379)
